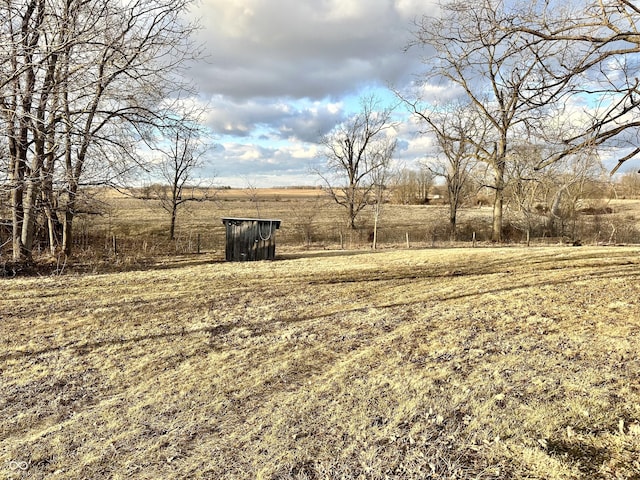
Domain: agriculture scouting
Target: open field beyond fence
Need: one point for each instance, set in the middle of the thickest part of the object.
(311, 220)
(486, 363)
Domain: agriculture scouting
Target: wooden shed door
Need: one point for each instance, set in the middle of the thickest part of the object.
(249, 240)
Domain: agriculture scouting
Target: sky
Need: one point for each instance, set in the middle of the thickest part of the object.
(278, 74)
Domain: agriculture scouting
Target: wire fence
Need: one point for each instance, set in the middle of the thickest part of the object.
(585, 230)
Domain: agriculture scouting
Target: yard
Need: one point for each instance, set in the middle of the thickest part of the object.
(484, 363)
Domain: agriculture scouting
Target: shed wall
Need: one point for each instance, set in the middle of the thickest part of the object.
(249, 240)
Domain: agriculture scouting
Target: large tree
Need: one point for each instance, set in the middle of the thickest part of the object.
(354, 151)
(81, 81)
(471, 52)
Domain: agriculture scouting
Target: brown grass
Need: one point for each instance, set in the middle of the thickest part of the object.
(468, 363)
(311, 220)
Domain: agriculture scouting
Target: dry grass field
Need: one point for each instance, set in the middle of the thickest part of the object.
(311, 220)
(486, 363)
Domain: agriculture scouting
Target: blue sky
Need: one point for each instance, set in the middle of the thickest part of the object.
(278, 74)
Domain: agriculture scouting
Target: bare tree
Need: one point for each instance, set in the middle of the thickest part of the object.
(380, 177)
(527, 188)
(493, 70)
(253, 193)
(459, 133)
(569, 189)
(354, 150)
(551, 198)
(179, 162)
(411, 186)
(303, 219)
(81, 82)
(629, 184)
(26, 79)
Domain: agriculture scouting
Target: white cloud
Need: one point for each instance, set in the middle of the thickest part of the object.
(273, 118)
(302, 48)
(280, 74)
(237, 164)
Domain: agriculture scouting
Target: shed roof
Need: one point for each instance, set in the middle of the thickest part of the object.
(276, 222)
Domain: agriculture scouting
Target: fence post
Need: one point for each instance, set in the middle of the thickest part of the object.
(407, 238)
(198, 243)
(474, 239)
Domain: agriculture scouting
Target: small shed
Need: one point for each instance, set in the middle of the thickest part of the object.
(249, 239)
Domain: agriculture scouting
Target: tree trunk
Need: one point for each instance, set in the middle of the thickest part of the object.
(376, 214)
(29, 217)
(453, 215)
(17, 216)
(498, 203)
(176, 193)
(51, 229)
(352, 215)
(496, 234)
(17, 206)
(67, 225)
(453, 234)
(67, 233)
(172, 228)
(48, 202)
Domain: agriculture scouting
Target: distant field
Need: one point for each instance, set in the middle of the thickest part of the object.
(311, 220)
(486, 363)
